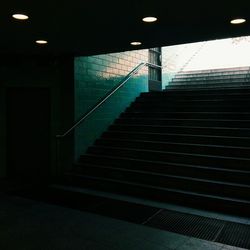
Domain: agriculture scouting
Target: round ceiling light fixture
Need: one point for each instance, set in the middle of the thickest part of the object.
(238, 21)
(136, 43)
(20, 16)
(41, 41)
(149, 19)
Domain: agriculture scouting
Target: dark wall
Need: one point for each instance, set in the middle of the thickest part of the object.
(52, 73)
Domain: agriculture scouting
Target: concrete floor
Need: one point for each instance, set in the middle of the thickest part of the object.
(26, 224)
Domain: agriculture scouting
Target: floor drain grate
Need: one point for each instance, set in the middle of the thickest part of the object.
(235, 234)
(230, 233)
(188, 224)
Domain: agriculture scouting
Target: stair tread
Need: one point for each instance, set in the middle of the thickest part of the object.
(198, 100)
(176, 143)
(167, 163)
(172, 176)
(196, 89)
(177, 126)
(170, 152)
(241, 76)
(163, 189)
(189, 135)
(219, 70)
(206, 92)
(210, 79)
(186, 112)
(182, 119)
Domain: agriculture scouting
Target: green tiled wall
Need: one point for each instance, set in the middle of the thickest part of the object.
(95, 76)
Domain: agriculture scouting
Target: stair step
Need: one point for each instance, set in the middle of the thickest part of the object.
(187, 115)
(224, 71)
(238, 100)
(212, 131)
(187, 158)
(209, 80)
(170, 181)
(211, 87)
(197, 92)
(189, 107)
(191, 102)
(225, 204)
(170, 96)
(207, 86)
(208, 77)
(181, 138)
(134, 163)
(232, 151)
(167, 168)
(185, 122)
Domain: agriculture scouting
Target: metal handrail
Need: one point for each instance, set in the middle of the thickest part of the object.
(97, 105)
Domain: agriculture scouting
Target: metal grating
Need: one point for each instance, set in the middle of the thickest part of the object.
(187, 224)
(235, 234)
(229, 233)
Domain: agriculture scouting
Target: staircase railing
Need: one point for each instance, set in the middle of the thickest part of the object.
(96, 106)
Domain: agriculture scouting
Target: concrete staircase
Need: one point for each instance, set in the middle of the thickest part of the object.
(232, 77)
(189, 145)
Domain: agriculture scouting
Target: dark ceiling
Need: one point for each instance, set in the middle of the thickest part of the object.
(93, 27)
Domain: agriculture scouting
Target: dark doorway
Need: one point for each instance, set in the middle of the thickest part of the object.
(28, 133)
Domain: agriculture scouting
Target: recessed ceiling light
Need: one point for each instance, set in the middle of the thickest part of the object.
(238, 21)
(20, 16)
(41, 41)
(149, 19)
(135, 43)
